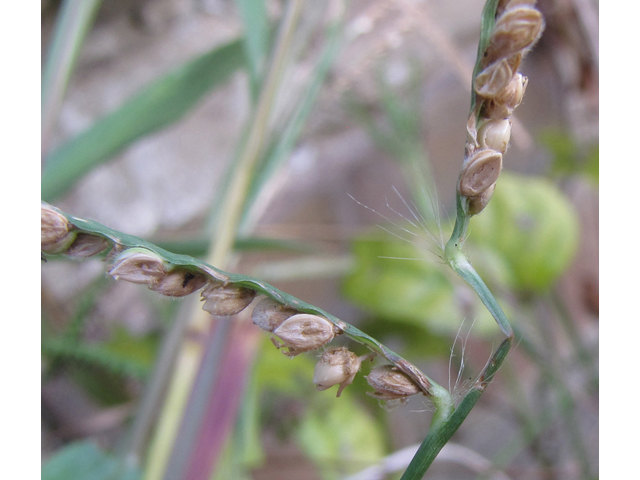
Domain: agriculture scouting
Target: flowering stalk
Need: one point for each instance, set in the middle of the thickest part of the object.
(509, 30)
(296, 325)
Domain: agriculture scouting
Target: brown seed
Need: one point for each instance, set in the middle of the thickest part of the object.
(179, 282)
(517, 29)
(138, 265)
(495, 134)
(477, 204)
(493, 79)
(226, 300)
(337, 366)
(507, 100)
(86, 245)
(304, 332)
(269, 314)
(55, 230)
(480, 171)
(390, 383)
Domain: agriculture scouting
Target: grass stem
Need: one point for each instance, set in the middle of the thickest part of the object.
(190, 356)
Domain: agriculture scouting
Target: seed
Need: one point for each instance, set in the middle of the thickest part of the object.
(507, 100)
(269, 314)
(390, 383)
(304, 332)
(138, 265)
(86, 245)
(337, 366)
(495, 134)
(493, 79)
(226, 300)
(179, 282)
(55, 230)
(517, 29)
(480, 171)
(477, 204)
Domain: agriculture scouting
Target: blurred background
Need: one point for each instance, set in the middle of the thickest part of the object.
(146, 108)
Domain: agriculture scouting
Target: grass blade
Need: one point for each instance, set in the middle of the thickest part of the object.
(161, 103)
(73, 23)
(281, 148)
(256, 39)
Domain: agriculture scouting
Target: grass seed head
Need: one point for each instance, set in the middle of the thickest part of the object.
(390, 383)
(55, 231)
(304, 332)
(226, 300)
(337, 366)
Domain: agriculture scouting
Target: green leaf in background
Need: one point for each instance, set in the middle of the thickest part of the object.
(491, 265)
(101, 369)
(293, 378)
(85, 461)
(256, 39)
(416, 338)
(568, 158)
(197, 247)
(139, 351)
(341, 438)
(158, 105)
(73, 22)
(321, 431)
(532, 226)
(395, 280)
(283, 143)
(592, 164)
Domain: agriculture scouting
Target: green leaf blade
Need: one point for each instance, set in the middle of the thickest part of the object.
(160, 104)
(85, 461)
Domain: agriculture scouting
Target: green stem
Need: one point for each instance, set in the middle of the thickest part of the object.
(232, 208)
(460, 264)
(191, 354)
(443, 429)
(146, 416)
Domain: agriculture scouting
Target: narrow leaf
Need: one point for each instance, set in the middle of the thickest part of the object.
(74, 21)
(256, 36)
(158, 105)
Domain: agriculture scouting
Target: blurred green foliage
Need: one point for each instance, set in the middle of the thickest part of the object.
(84, 460)
(568, 158)
(523, 241)
(404, 286)
(161, 103)
(532, 226)
(320, 426)
(341, 430)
